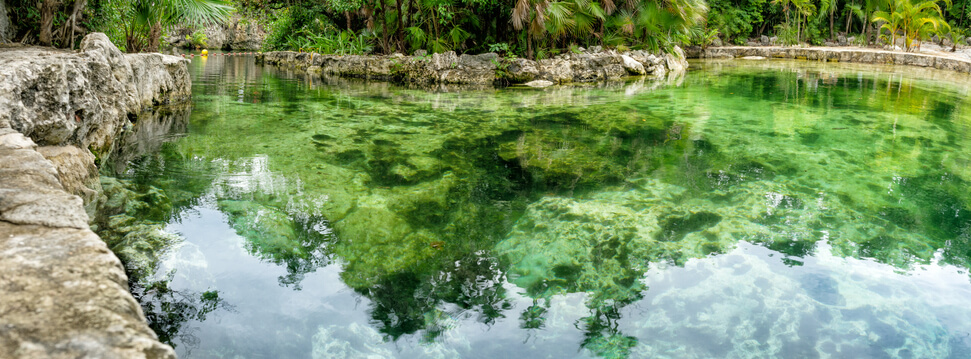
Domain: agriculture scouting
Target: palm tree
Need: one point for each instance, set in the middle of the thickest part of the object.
(146, 19)
(912, 19)
(530, 15)
(829, 7)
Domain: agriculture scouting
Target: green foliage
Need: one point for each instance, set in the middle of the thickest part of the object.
(198, 39)
(501, 48)
(532, 28)
(331, 42)
(786, 33)
(735, 20)
(702, 36)
(914, 19)
(956, 36)
(145, 20)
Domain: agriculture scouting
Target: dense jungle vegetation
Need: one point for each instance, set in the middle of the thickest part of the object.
(530, 28)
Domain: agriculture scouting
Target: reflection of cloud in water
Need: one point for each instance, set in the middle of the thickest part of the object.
(251, 176)
(747, 303)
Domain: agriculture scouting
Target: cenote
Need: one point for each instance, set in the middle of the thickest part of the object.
(746, 209)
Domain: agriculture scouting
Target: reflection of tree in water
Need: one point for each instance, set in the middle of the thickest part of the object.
(601, 334)
(169, 310)
(409, 302)
(300, 244)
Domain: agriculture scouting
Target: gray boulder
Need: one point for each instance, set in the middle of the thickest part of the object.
(632, 66)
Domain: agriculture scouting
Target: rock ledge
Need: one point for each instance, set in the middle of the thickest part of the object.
(63, 293)
(449, 68)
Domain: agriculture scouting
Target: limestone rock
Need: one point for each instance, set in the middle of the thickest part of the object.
(676, 62)
(65, 295)
(30, 192)
(539, 83)
(632, 66)
(75, 170)
(13, 140)
(449, 68)
(557, 70)
(59, 98)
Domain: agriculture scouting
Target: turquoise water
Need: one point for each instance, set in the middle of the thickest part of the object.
(745, 210)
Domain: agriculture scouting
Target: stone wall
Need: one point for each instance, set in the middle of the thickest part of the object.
(63, 293)
(449, 68)
(835, 54)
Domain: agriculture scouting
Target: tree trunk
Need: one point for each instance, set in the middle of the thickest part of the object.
(347, 16)
(409, 21)
(438, 34)
(866, 33)
(798, 27)
(400, 31)
(849, 19)
(529, 46)
(47, 9)
(68, 30)
(832, 30)
(964, 12)
(154, 37)
(380, 14)
(500, 29)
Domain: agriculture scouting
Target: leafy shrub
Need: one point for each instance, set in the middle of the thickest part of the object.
(197, 39)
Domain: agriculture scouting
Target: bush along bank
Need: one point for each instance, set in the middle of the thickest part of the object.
(593, 65)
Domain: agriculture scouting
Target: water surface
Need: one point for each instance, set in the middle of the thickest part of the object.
(764, 209)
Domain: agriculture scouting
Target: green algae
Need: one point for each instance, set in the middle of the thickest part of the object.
(131, 221)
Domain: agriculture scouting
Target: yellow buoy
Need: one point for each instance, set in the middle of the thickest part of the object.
(205, 52)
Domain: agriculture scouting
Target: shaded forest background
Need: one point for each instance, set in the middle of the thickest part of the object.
(525, 28)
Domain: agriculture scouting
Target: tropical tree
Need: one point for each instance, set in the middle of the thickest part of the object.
(828, 7)
(145, 20)
(910, 19)
(530, 15)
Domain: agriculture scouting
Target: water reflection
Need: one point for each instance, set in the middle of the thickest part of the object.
(764, 210)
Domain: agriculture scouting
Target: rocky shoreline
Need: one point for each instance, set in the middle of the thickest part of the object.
(63, 293)
(834, 54)
(594, 65)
